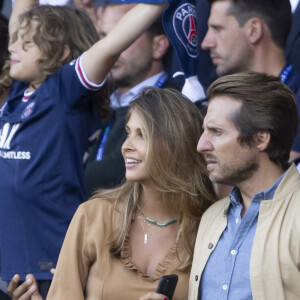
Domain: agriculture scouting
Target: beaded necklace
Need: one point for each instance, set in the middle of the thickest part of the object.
(153, 221)
(148, 225)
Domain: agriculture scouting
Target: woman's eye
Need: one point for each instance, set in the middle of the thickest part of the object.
(27, 42)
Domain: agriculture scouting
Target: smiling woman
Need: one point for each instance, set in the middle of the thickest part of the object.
(123, 240)
(134, 150)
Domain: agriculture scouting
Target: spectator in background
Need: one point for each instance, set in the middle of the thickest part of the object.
(206, 70)
(251, 36)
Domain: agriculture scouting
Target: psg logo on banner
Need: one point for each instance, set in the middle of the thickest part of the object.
(185, 24)
(28, 110)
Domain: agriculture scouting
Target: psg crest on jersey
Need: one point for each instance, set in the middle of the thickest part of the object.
(185, 24)
(28, 110)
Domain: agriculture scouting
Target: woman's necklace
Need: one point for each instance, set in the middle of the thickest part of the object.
(149, 222)
(153, 221)
(147, 234)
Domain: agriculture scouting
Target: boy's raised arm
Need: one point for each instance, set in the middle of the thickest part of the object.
(19, 7)
(99, 59)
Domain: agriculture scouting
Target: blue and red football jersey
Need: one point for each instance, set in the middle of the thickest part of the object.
(43, 138)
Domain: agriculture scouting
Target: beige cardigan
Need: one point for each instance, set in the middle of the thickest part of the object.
(275, 256)
(86, 269)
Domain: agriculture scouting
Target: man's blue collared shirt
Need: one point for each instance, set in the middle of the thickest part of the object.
(226, 275)
(117, 99)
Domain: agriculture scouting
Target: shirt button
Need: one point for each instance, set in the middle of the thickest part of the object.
(225, 287)
(237, 220)
(196, 278)
(232, 252)
(210, 245)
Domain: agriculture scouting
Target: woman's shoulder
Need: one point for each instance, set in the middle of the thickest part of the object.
(97, 203)
(97, 207)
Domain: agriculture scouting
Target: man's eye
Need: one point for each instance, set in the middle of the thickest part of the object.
(217, 28)
(140, 135)
(216, 131)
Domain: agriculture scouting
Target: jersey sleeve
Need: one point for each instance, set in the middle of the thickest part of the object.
(82, 76)
(71, 84)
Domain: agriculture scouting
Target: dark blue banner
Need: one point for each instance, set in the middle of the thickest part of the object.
(180, 24)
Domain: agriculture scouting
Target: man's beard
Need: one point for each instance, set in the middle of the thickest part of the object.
(236, 175)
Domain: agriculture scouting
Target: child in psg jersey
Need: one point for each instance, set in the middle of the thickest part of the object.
(45, 123)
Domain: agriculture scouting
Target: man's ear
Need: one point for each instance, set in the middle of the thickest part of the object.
(160, 46)
(262, 140)
(66, 53)
(254, 30)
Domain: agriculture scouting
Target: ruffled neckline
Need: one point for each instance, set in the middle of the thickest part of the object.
(160, 268)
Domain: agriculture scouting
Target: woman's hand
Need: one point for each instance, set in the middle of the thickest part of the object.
(26, 291)
(154, 296)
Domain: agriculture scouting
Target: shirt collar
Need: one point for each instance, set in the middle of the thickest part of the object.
(268, 194)
(26, 95)
(119, 100)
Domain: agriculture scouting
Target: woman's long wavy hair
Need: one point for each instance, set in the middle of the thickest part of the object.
(172, 126)
(57, 27)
